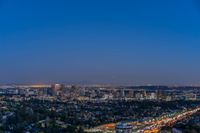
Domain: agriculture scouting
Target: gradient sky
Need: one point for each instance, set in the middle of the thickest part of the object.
(100, 41)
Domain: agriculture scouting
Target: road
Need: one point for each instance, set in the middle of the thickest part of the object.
(151, 126)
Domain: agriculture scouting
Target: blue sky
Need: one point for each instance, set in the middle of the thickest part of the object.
(100, 41)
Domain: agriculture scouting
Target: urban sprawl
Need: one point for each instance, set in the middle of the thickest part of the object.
(99, 109)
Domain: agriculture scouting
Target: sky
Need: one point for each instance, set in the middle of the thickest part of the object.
(127, 42)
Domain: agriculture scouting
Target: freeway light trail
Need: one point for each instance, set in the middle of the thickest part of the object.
(151, 126)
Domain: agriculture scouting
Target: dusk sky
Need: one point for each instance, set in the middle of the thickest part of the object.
(134, 42)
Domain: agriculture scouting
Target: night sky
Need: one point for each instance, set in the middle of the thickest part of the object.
(134, 42)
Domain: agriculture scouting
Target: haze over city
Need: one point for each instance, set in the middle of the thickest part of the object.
(99, 66)
(106, 42)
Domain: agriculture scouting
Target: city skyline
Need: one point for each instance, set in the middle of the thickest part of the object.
(104, 42)
(91, 66)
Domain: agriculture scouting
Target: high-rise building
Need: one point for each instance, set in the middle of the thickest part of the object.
(57, 89)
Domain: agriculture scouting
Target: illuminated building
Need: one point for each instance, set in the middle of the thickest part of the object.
(56, 89)
(124, 128)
